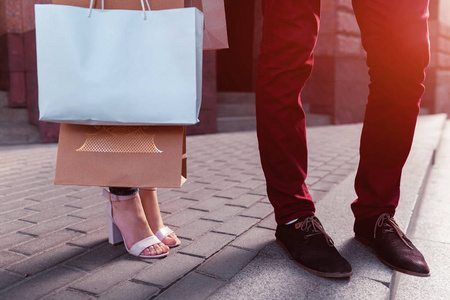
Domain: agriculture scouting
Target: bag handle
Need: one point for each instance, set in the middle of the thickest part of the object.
(103, 7)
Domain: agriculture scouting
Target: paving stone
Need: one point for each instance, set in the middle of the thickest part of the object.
(46, 260)
(49, 204)
(45, 242)
(326, 167)
(97, 257)
(208, 244)
(13, 239)
(12, 205)
(245, 200)
(38, 190)
(69, 295)
(211, 179)
(195, 229)
(254, 239)
(191, 186)
(317, 195)
(88, 193)
(318, 173)
(165, 195)
(48, 214)
(90, 224)
(115, 272)
(54, 193)
(194, 286)
(267, 278)
(13, 226)
(210, 203)
(227, 263)
(224, 184)
(310, 180)
(261, 190)
(250, 184)
(90, 211)
(18, 195)
(258, 210)
(7, 258)
(51, 225)
(15, 214)
(184, 217)
(91, 239)
(344, 172)
(8, 279)
(237, 225)
(227, 171)
(323, 186)
(268, 222)
(200, 195)
(350, 166)
(39, 286)
(168, 270)
(223, 214)
(176, 205)
(206, 173)
(334, 178)
(337, 161)
(130, 290)
(86, 202)
(232, 193)
(313, 164)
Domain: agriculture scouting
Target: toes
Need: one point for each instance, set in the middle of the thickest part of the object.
(153, 250)
(164, 247)
(156, 249)
(161, 248)
(171, 239)
(146, 252)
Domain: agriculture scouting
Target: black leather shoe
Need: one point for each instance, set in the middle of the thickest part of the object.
(393, 248)
(312, 249)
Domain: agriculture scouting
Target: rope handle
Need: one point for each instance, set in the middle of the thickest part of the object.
(103, 7)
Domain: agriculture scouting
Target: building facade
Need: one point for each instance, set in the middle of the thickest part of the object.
(337, 89)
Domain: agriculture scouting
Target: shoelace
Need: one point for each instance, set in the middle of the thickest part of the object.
(313, 224)
(386, 219)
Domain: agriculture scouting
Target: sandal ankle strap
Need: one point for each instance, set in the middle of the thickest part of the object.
(114, 197)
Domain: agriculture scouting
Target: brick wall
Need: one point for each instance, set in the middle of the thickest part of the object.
(338, 85)
(18, 69)
(437, 94)
(18, 72)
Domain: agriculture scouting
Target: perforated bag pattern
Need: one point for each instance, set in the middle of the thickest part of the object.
(114, 139)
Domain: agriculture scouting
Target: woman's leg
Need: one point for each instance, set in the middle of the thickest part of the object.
(150, 204)
(130, 218)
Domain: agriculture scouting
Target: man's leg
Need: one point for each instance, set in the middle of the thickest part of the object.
(395, 36)
(289, 35)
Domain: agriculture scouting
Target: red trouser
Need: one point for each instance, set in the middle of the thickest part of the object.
(395, 36)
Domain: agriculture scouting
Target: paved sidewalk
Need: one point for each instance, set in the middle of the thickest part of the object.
(53, 239)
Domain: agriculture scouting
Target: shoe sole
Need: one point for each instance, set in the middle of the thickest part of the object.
(371, 247)
(162, 255)
(315, 272)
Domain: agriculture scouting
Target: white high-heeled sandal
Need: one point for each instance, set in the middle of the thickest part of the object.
(115, 237)
(165, 231)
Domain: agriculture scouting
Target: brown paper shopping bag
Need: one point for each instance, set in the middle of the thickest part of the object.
(121, 156)
(215, 33)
